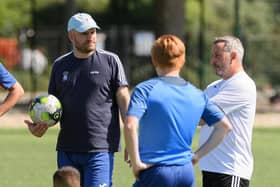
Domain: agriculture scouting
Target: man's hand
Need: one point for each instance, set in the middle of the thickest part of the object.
(140, 167)
(38, 129)
(126, 157)
(195, 159)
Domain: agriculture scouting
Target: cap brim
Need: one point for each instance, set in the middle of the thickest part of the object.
(85, 28)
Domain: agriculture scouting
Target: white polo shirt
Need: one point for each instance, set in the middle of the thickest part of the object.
(236, 96)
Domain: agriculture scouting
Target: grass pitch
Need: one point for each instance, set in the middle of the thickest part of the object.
(27, 161)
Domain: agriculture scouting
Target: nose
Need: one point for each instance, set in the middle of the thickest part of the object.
(91, 36)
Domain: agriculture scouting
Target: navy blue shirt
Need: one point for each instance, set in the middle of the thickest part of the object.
(87, 90)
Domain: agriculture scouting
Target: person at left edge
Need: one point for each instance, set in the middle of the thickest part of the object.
(92, 87)
(14, 88)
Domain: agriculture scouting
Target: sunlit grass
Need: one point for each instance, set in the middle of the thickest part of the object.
(27, 161)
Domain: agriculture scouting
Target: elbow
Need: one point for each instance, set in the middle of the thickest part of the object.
(228, 127)
(18, 90)
(128, 128)
(21, 92)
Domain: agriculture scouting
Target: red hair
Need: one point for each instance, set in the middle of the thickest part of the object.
(168, 51)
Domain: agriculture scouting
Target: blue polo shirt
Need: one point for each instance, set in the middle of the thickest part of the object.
(7, 80)
(169, 110)
(87, 90)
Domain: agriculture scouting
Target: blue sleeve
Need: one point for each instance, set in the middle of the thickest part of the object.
(7, 80)
(139, 99)
(212, 113)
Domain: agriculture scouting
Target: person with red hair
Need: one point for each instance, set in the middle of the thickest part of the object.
(167, 109)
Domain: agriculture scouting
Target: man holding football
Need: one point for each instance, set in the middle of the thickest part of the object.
(92, 88)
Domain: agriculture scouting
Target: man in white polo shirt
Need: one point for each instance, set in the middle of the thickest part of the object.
(231, 163)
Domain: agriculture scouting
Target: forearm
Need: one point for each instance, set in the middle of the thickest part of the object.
(131, 140)
(15, 93)
(221, 129)
(123, 98)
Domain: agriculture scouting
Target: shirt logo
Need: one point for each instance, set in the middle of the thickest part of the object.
(102, 185)
(94, 72)
(65, 76)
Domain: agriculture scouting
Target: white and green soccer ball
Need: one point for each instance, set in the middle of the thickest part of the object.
(45, 108)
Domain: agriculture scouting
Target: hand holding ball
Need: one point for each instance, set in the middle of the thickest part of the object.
(45, 108)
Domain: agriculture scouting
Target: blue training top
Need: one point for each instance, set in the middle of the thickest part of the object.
(87, 90)
(169, 110)
(7, 80)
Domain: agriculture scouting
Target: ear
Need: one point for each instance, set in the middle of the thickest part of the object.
(233, 55)
(70, 35)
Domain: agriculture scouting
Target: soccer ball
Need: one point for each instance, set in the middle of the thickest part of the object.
(45, 108)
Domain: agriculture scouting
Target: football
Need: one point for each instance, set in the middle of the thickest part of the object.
(45, 108)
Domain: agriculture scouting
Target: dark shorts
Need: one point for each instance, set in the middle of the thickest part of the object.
(96, 168)
(166, 176)
(211, 179)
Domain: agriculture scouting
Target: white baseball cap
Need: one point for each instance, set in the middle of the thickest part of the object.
(81, 22)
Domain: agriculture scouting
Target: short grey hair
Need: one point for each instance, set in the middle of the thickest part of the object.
(231, 44)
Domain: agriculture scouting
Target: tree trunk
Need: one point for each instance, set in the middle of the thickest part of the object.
(170, 17)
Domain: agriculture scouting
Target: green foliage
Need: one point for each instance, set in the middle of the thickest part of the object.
(96, 6)
(14, 15)
(259, 23)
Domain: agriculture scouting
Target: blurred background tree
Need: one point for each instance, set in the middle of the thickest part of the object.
(120, 20)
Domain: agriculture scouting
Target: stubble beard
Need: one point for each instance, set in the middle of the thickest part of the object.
(86, 48)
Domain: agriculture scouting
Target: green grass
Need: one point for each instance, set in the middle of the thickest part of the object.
(26, 161)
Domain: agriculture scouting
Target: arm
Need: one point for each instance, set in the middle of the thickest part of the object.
(221, 129)
(15, 93)
(131, 142)
(123, 98)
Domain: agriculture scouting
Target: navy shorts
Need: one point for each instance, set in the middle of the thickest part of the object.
(166, 176)
(96, 168)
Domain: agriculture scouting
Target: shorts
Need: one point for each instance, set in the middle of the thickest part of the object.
(211, 179)
(166, 176)
(96, 168)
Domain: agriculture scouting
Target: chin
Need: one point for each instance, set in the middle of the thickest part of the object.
(89, 49)
(219, 74)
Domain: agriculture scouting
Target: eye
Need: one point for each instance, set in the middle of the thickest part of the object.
(84, 33)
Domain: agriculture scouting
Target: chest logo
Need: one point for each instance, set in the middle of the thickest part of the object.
(94, 72)
(65, 76)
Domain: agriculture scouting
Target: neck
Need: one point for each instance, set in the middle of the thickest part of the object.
(78, 54)
(236, 68)
(168, 72)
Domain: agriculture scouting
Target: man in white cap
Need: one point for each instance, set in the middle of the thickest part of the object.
(92, 87)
